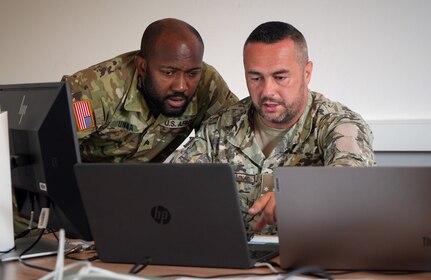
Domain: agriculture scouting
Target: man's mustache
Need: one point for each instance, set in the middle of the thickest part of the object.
(270, 99)
(176, 94)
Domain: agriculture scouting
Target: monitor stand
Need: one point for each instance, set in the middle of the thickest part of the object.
(45, 247)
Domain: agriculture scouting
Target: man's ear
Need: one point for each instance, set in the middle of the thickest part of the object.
(307, 71)
(141, 65)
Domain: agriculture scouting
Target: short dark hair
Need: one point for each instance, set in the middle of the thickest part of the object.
(153, 32)
(274, 31)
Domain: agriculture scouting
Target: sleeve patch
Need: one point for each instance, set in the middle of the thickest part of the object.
(83, 115)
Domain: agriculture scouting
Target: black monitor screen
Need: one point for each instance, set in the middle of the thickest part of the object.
(44, 149)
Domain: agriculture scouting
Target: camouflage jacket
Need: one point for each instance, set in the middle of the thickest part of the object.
(114, 123)
(327, 133)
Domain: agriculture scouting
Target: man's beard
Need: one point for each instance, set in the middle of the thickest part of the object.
(161, 104)
(287, 115)
(290, 111)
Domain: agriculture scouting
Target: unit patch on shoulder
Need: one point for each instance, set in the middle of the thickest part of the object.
(83, 115)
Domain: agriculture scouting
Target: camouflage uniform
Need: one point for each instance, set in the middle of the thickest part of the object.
(327, 133)
(121, 126)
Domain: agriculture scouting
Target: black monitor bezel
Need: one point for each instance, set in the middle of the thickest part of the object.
(55, 154)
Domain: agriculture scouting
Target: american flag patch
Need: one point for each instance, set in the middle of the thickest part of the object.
(83, 114)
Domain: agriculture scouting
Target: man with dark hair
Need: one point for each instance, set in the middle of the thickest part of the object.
(282, 123)
(140, 106)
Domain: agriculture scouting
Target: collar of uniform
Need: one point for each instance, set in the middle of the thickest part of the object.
(244, 138)
(237, 118)
(240, 129)
(135, 101)
(188, 115)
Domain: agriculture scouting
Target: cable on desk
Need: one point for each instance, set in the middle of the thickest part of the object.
(7, 251)
(42, 232)
(311, 271)
(267, 264)
(28, 249)
(25, 232)
(139, 266)
(29, 229)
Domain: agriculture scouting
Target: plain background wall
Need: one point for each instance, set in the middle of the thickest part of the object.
(371, 55)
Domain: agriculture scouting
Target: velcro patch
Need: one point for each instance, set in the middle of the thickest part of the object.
(173, 123)
(83, 115)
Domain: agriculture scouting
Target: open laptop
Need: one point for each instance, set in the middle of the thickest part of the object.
(366, 218)
(176, 214)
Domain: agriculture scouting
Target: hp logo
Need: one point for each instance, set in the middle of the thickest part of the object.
(160, 214)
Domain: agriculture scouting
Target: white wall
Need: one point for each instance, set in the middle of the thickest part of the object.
(373, 55)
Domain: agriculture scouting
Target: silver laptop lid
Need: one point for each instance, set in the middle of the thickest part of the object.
(354, 218)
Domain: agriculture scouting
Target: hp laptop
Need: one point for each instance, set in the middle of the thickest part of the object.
(372, 218)
(175, 214)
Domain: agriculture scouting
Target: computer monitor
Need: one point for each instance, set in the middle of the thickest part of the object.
(44, 149)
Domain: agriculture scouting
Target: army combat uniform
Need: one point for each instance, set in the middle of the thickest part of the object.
(114, 121)
(327, 133)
